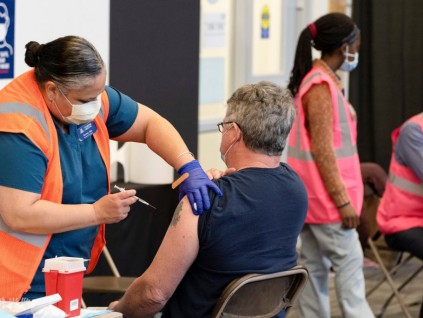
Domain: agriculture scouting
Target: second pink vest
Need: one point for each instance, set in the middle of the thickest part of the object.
(321, 208)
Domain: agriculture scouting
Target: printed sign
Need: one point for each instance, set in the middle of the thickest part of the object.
(265, 22)
(7, 38)
(214, 30)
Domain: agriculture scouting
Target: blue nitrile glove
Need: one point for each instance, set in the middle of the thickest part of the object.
(196, 187)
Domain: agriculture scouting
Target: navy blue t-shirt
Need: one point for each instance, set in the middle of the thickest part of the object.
(252, 228)
(84, 176)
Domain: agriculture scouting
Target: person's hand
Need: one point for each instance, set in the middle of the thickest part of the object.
(114, 208)
(216, 174)
(350, 219)
(113, 304)
(196, 186)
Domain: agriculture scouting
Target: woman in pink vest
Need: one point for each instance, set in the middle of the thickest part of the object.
(400, 213)
(322, 149)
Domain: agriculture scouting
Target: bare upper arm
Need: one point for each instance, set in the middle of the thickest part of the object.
(177, 252)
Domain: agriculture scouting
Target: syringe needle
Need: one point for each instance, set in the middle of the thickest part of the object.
(139, 199)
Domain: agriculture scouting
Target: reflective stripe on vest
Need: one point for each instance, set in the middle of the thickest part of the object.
(37, 240)
(347, 150)
(406, 185)
(20, 108)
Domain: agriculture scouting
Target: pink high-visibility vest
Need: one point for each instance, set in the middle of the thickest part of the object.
(401, 207)
(321, 208)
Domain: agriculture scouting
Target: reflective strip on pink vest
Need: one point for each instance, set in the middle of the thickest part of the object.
(401, 207)
(321, 208)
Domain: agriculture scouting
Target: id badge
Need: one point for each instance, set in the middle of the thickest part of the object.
(86, 130)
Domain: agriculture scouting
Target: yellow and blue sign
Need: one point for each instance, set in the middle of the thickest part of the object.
(265, 22)
(7, 38)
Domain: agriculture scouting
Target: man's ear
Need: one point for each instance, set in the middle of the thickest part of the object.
(239, 134)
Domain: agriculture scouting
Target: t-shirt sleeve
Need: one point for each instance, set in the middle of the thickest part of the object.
(23, 165)
(123, 111)
(204, 220)
(409, 148)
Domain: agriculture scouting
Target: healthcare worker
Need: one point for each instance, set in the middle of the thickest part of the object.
(400, 212)
(55, 124)
(322, 150)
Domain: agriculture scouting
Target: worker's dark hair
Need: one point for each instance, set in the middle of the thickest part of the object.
(70, 61)
(326, 34)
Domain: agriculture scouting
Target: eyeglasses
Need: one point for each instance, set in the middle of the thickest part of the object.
(220, 125)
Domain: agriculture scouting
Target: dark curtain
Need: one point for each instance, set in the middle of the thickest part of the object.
(154, 58)
(387, 87)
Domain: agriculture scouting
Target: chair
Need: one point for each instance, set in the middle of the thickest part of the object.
(261, 295)
(389, 260)
(107, 284)
(389, 271)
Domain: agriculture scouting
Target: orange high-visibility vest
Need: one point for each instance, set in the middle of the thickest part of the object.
(321, 208)
(24, 111)
(401, 207)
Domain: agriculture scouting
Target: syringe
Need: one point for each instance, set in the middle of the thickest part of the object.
(139, 199)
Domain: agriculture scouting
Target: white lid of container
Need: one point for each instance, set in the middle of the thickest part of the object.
(64, 264)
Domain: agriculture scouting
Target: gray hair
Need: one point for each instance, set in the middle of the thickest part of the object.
(265, 113)
(69, 61)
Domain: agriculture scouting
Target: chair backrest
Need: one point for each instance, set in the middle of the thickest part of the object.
(261, 295)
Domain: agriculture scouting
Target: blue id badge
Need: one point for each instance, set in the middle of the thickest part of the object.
(86, 130)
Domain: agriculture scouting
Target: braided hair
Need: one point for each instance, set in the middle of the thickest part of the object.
(326, 34)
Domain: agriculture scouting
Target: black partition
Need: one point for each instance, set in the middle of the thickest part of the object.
(154, 57)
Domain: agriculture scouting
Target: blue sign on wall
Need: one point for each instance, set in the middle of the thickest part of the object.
(7, 38)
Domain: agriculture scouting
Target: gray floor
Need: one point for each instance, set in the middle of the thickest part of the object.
(412, 293)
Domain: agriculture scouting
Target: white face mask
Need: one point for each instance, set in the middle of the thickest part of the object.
(348, 66)
(83, 113)
(223, 155)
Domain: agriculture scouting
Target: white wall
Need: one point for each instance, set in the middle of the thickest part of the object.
(296, 15)
(46, 20)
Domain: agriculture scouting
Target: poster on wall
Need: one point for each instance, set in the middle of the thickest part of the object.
(7, 38)
(267, 37)
(214, 26)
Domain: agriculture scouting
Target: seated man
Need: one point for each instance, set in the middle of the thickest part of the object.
(400, 213)
(252, 228)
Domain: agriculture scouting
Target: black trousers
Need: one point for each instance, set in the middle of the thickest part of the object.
(409, 240)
